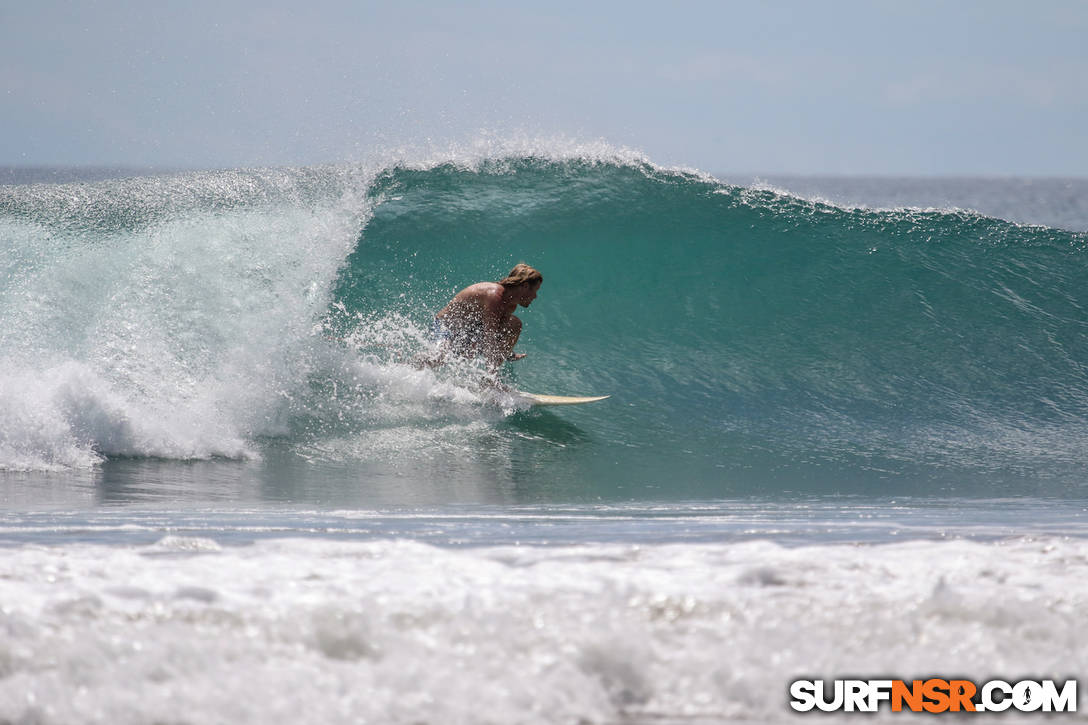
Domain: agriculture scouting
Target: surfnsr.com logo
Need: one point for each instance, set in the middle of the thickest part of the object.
(934, 695)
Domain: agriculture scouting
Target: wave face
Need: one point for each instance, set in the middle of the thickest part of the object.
(751, 340)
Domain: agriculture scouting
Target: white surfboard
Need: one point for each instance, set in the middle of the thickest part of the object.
(561, 399)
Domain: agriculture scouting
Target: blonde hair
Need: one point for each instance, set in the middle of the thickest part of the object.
(521, 274)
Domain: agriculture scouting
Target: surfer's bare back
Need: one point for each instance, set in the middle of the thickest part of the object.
(479, 321)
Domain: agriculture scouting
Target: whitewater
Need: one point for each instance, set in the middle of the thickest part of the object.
(846, 437)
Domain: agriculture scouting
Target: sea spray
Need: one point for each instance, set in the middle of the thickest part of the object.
(162, 317)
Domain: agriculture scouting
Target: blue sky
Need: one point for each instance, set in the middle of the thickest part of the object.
(983, 87)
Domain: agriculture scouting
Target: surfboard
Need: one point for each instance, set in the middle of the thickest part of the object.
(561, 399)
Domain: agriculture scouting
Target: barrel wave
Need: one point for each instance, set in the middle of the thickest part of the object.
(753, 342)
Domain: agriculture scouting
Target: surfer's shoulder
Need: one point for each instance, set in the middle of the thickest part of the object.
(481, 290)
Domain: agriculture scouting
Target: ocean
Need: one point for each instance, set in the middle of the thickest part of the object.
(846, 437)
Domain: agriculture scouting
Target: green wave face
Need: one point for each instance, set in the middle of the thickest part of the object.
(751, 339)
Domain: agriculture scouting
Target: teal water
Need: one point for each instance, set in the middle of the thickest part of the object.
(754, 343)
(752, 338)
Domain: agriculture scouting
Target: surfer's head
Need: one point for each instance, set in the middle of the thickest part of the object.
(521, 274)
(521, 284)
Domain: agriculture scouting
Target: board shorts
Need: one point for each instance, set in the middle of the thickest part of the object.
(459, 342)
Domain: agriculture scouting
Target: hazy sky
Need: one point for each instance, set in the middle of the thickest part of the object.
(905, 87)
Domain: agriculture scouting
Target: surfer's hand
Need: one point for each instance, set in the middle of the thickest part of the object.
(515, 356)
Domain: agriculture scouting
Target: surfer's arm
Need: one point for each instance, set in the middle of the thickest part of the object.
(500, 331)
(492, 348)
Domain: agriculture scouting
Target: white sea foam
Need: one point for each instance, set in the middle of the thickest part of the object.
(398, 632)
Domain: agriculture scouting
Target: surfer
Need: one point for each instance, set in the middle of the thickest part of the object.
(479, 321)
